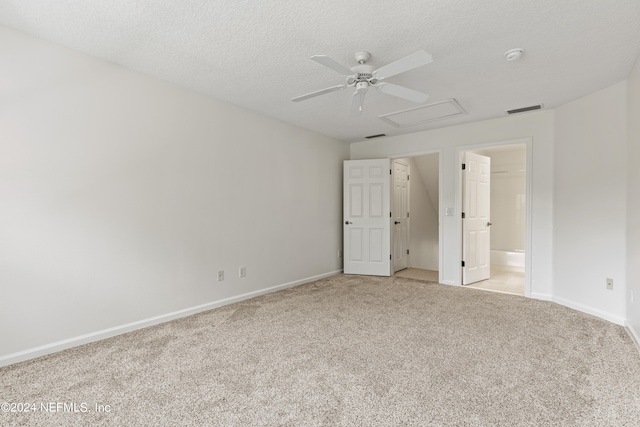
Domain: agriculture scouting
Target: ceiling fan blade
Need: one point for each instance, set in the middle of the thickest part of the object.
(318, 92)
(403, 92)
(357, 103)
(336, 66)
(407, 63)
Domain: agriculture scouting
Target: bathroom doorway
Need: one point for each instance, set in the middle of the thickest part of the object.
(508, 218)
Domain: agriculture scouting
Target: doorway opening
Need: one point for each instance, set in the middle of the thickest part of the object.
(416, 233)
(506, 247)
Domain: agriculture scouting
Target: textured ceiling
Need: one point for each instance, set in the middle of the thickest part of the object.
(256, 53)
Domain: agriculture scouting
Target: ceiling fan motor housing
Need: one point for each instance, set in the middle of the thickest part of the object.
(364, 73)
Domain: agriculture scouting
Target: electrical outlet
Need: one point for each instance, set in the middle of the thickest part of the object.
(340, 253)
(242, 272)
(609, 284)
(220, 275)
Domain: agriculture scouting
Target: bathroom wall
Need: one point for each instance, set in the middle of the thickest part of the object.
(508, 197)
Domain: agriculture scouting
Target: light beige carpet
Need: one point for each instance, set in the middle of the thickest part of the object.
(347, 351)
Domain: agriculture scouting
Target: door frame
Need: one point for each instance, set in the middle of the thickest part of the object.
(527, 142)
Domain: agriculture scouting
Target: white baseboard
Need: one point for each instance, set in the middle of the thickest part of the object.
(42, 350)
(590, 310)
(635, 335)
(543, 297)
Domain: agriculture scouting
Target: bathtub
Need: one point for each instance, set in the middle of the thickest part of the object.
(511, 258)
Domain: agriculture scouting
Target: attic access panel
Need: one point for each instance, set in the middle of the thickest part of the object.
(423, 114)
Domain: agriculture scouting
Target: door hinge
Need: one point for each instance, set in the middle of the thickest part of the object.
(390, 215)
(464, 166)
(463, 215)
(407, 214)
(407, 177)
(407, 251)
(389, 256)
(463, 263)
(389, 171)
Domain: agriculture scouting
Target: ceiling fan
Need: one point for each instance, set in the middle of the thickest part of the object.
(363, 76)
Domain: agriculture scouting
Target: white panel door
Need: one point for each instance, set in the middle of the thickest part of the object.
(400, 215)
(476, 241)
(367, 233)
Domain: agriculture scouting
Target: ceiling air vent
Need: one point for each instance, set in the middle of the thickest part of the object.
(524, 109)
(375, 136)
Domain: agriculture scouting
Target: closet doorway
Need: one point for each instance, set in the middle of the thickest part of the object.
(422, 219)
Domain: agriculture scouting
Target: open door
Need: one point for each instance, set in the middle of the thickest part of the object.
(400, 215)
(476, 237)
(367, 217)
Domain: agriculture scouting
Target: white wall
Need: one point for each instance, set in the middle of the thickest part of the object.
(423, 238)
(508, 197)
(633, 201)
(122, 196)
(538, 127)
(589, 206)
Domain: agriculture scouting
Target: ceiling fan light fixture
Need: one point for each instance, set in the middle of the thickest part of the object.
(363, 85)
(514, 54)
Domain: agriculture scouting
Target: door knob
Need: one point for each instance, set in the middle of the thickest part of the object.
(397, 222)
(348, 222)
(489, 224)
